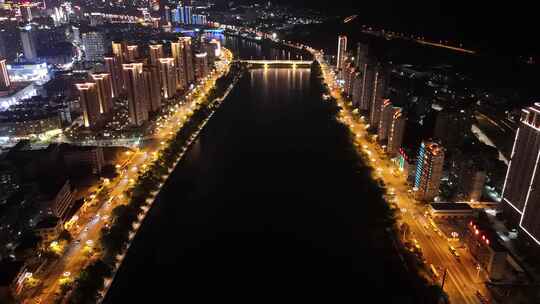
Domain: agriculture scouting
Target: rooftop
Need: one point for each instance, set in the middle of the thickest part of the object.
(451, 206)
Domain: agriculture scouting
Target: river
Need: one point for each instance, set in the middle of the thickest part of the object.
(270, 203)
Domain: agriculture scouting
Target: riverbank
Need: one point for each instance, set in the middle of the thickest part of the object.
(216, 100)
(158, 158)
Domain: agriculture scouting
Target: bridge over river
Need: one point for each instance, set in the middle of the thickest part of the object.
(279, 63)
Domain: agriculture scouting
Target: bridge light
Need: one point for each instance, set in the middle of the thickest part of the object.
(294, 66)
(266, 65)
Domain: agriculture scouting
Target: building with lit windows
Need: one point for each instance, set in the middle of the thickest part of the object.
(168, 77)
(201, 65)
(5, 82)
(29, 72)
(521, 191)
(153, 88)
(94, 45)
(349, 73)
(111, 68)
(188, 59)
(375, 112)
(132, 53)
(377, 92)
(185, 14)
(388, 110)
(199, 19)
(395, 135)
(89, 103)
(342, 52)
(177, 50)
(118, 50)
(362, 55)
(484, 246)
(429, 169)
(136, 92)
(103, 85)
(29, 43)
(156, 52)
(406, 161)
(29, 122)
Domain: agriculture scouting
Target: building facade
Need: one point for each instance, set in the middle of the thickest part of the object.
(103, 85)
(5, 82)
(342, 52)
(521, 194)
(429, 170)
(396, 133)
(95, 46)
(201, 65)
(29, 44)
(89, 103)
(136, 93)
(167, 71)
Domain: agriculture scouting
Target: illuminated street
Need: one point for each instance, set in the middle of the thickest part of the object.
(462, 280)
(82, 249)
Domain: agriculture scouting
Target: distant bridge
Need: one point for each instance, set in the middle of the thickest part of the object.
(286, 63)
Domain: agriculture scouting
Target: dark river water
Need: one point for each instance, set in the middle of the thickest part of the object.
(270, 203)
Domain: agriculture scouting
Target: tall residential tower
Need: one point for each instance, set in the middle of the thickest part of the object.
(429, 169)
(521, 191)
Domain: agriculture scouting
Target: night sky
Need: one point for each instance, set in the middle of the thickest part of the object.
(501, 25)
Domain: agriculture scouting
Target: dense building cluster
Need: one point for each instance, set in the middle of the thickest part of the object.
(144, 76)
(445, 164)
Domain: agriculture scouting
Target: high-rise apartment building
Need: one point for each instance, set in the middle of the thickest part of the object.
(118, 50)
(156, 52)
(395, 136)
(451, 126)
(362, 54)
(388, 110)
(166, 15)
(378, 92)
(470, 181)
(132, 53)
(201, 65)
(177, 49)
(136, 92)
(29, 43)
(349, 74)
(186, 14)
(199, 19)
(213, 50)
(94, 45)
(153, 88)
(429, 169)
(362, 99)
(188, 59)
(342, 52)
(89, 102)
(168, 74)
(521, 194)
(5, 82)
(357, 89)
(103, 86)
(375, 112)
(111, 68)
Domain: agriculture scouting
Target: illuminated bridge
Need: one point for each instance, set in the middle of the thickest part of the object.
(279, 63)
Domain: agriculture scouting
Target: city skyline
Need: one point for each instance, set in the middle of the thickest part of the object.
(380, 150)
